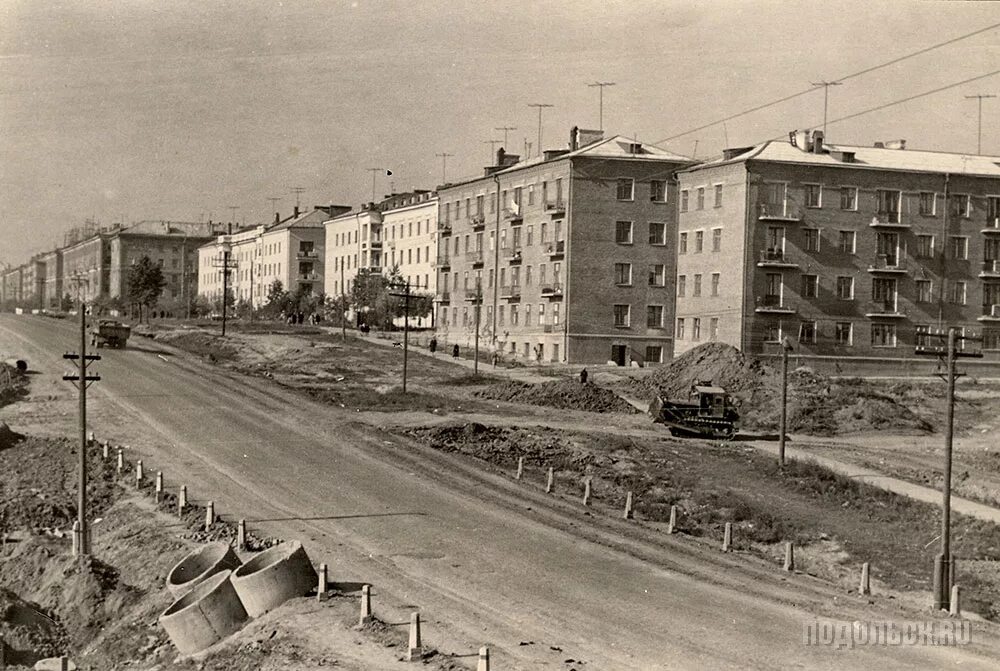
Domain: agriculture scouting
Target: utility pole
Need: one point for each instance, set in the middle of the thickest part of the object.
(943, 562)
(479, 302)
(786, 347)
(979, 98)
(374, 172)
(343, 298)
(505, 129)
(826, 98)
(492, 144)
(600, 87)
(540, 107)
(405, 295)
(82, 381)
(444, 166)
(226, 266)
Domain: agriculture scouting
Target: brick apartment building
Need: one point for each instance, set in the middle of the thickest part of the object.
(87, 267)
(399, 232)
(52, 282)
(11, 288)
(571, 254)
(849, 252)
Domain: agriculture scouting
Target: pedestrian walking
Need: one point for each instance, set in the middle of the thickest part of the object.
(454, 351)
(583, 376)
(433, 345)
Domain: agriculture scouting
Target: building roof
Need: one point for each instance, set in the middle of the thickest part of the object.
(615, 147)
(877, 158)
(312, 219)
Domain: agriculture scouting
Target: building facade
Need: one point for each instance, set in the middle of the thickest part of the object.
(86, 268)
(848, 252)
(569, 257)
(52, 279)
(11, 289)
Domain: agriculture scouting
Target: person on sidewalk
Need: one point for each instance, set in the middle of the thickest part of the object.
(433, 345)
(454, 351)
(583, 376)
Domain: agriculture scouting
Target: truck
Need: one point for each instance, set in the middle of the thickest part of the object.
(710, 413)
(110, 333)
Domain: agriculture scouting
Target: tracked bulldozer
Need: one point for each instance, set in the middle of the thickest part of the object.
(710, 413)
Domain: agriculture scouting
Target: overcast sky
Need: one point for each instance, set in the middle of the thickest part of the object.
(117, 110)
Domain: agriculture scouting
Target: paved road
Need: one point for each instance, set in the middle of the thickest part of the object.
(486, 560)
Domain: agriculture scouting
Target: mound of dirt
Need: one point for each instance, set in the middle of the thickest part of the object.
(8, 437)
(209, 345)
(29, 632)
(563, 394)
(817, 405)
(13, 383)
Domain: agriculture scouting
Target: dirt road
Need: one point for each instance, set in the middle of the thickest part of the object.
(484, 559)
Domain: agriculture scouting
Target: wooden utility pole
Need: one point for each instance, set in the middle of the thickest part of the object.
(405, 295)
(783, 427)
(82, 381)
(479, 302)
(343, 306)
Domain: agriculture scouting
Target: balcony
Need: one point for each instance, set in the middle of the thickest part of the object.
(991, 270)
(991, 313)
(888, 220)
(475, 258)
(513, 256)
(511, 292)
(308, 277)
(783, 212)
(546, 328)
(889, 308)
(444, 261)
(478, 222)
(307, 254)
(556, 249)
(444, 228)
(774, 257)
(887, 264)
(513, 216)
(473, 296)
(772, 304)
(556, 209)
(375, 244)
(444, 297)
(554, 290)
(992, 226)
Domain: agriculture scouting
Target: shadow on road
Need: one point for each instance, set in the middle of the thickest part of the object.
(333, 517)
(148, 350)
(759, 436)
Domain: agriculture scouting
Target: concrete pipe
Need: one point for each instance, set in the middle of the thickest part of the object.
(199, 565)
(207, 614)
(274, 576)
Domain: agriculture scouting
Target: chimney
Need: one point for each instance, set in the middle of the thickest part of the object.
(896, 144)
(880, 145)
(296, 210)
(277, 218)
(229, 228)
(800, 139)
(817, 142)
(573, 143)
(733, 152)
(500, 154)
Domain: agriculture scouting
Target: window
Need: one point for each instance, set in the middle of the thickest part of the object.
(845, 288)
(680, 329)
(681, 285)
(776, 239)
(848, 197)
(959, 204)
(623, 274)
(920, 335)
(991, 339)
(958, 247)
(956, 292)
(884, 291)
(696, 328)
(810, 284)
(657, 233)
(993, 210)
(654, 316)
(541, 313)
(479, 205)
(517, 196)
(623, 232)
(925, 246)
(699, 241)
(847, 239)
(807, 332)
(543, 233)
(814, 195)
(657, 275)
(621, 315)
(696, 289)
(654, 354)
(527, 276)
(515, 315)
(774, 199)
(843, 333)
(715, 284)
(716, 239)
(773, 291)
(626, 188)
(531, 194)
(812, 239)
(923, 291)
(718, 195)
(713, 329)
(530, 236)
(883, 335)
(772, 332)
(658, 190)
(682, 244)
(887, 205)
(927, 203)
(684, 200)
(701, 198)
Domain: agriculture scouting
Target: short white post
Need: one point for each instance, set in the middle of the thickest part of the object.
(548, 482)
(241, 535)
(628, 506)
(121, 460)
(586, 491)
(520, 467)
(866, 586)
(138, 474)
(209, 515)
(159, 485)
(956, 597)
(76, 538)
(727, 537)
(106, 449)
(484, 659)
(182, 500)
(789, 557)
(321, 587)
(90, 438)
(672, 525)
(415, 651)
(366, 605)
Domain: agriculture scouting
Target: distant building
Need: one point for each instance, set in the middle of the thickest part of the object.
(11, 288)
(849, 252)
(52, 280)
(86, 267)
(571, 254)
(397, 234)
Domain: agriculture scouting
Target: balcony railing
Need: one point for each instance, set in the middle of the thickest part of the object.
(307, 254)
(990, 313)
(557, 248)
(513, 255)
(308, 277)
(775, 257)
(512, 291)
(444, 296)
(444, 261)
(884, 263)
(478, 222)
(992, 225)
(444, 228)
(546, 328)
(773, 303)
(556, 208)
(474, 257)
(787, 211)
(889, 308)
(553, 289)
(991, 268)
(513, 217)
(375, 244)
(888, 220)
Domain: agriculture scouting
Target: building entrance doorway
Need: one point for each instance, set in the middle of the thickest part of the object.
(618, 354)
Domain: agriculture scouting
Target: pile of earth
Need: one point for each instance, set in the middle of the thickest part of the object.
(28, 631)
(8, 437)
(13, 383)
(562, 394)
(817, 404)
(208, 345)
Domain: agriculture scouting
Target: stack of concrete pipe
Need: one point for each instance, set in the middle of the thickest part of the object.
(216, 595)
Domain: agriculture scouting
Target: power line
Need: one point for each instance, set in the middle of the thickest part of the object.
(853, 75)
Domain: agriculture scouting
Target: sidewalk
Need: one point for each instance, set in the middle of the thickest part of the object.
(917, 492)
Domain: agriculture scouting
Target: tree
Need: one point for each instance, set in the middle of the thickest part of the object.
(145, 283)
(67, 303)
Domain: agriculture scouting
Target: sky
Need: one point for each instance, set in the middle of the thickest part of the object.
(122, 111)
